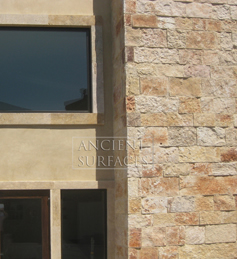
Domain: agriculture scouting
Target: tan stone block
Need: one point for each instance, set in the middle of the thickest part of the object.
(145, 7)
(159, 186)
(225, 202)
(133, 86)
(148, 252)
(204, 203)
(133, 119)
(130, 6)
(154, 38)
(169, 56)
(154, 86)
(133, 253)
(187, 218)
(199, 24)
(163, 155)
(201, 10)
(164, 219)
(132, 36)
(147, 55)
(194, 235)
(224, 169)
(228, 25)
(152, 171)
(140, 221)
(228, 154)
(224, 120)
(130, 103)
(155, 104)
(219, 87)
(225, 39)
(204, 119)
(175, 119)
(221, 12)
(154, 119)
(134, 205)
(182, 136)
(211, 136)
(181, 204)
(220, 234)
(153, 236)
(201, 169)
(198, 154)
(197, 71)
(183, 23)
(155, 136)
(231, 136)
(168, 8)
(153, 205)
(28, 19)
(233, 12)
(192, 185)
(224, 105)
(185, 87)
(214, 25)
(135, 237)
(201, 40)
(217, 251)
(192, 57)
(166, 22)
(176, 39)
(189, 105)
(227, 58)
(169, 70)
(210, 217)
(229, 217)
(168, 252)
(210, 57)
(175, 235)
(140, 20)
(176, 170)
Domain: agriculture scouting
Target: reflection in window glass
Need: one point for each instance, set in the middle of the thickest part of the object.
(44, 69)
(83, 224)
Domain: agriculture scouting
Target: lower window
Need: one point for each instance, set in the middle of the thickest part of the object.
(83, 224)
(24, 225)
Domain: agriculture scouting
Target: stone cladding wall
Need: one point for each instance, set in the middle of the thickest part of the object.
(181, 90)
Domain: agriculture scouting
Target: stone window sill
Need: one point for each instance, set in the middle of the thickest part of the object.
(51, 119)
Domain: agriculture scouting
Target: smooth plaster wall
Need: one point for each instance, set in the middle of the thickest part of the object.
(45, 152)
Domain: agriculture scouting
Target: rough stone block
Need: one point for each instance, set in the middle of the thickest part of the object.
(211, 136)
(155, 119)
(213, 25)
(204, 203)
(181, 204)
(133, 36)
(194, 235)
(198, 154)
(155, 136)
(134, 205)
(176, 170)
(154, 86)
(166, 22)
(164, 219)
(226, 41)
(225, 202)
(148, 252)
(185, 87)
(175, 235)
(228, 154)
(217, 251)
(140, 221)
(224, 120)
(201, 40)
(169, 252)
(233, 12)
(222, 169)
(153, 236)
(189, 105)
(204, 119)
(190, 57)
(231, 136)
(176, 39)
(184, 136)
(135, 237)
(220, 234)
(201, 10)
(187, 218)
(154, 38)
(210, 217)
(140, 20)
(159, 187)
(201, 169)
(221, 12)
(153, 205)
(175, 119)
(183, 23)
(197, 71)
(169, 8)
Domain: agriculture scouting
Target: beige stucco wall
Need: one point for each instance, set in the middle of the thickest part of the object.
(45, 152)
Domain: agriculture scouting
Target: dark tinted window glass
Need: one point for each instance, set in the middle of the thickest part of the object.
(84, 224)
(20, 228)
(44, 69)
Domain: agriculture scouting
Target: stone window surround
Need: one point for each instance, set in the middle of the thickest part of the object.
(80, 21)
(55, 188)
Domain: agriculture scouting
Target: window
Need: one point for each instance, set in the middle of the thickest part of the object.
(45, 69)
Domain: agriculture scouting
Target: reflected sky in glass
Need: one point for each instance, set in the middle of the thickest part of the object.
(43, 69)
